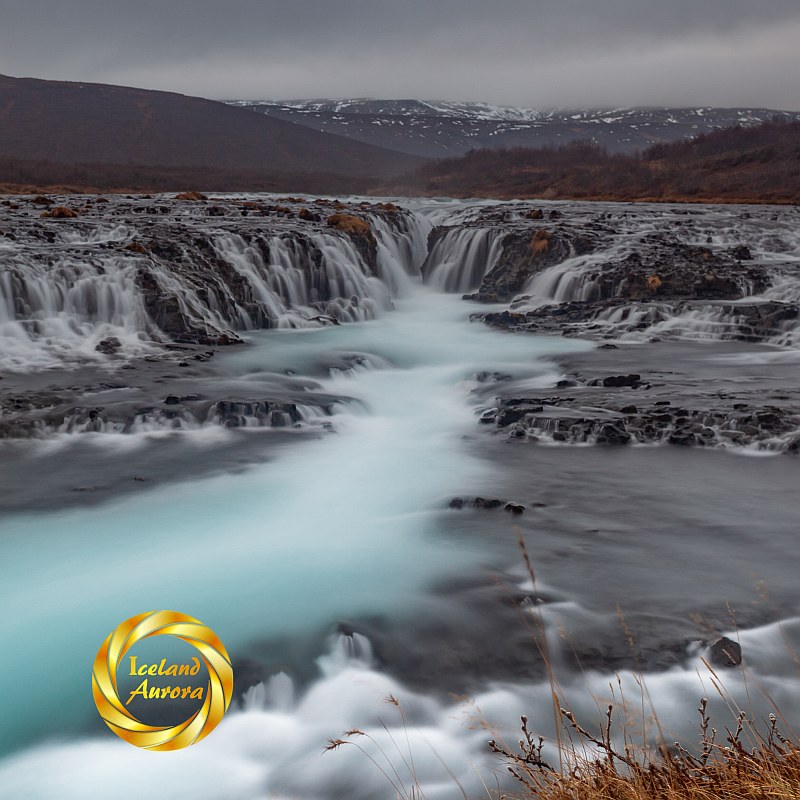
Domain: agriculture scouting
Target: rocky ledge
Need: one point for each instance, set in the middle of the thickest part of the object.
(646, 281)
(712, 395)
(620, 271)
(189, 269)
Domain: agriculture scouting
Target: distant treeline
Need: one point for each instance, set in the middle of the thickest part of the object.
(19, 175)
(756, 164)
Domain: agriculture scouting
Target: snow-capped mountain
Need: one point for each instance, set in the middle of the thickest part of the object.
(437, 129)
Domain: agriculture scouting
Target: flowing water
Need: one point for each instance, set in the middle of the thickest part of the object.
(343, 525)
(352, 524)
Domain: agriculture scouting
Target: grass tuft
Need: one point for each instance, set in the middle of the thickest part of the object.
(596, 769)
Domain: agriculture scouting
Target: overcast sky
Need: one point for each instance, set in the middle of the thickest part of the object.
(533, 53)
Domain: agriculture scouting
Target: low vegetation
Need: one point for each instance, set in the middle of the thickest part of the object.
(348, 223)
(755, 165)
(42, 177)
(750, 165)
(741, 764)
(61, 212)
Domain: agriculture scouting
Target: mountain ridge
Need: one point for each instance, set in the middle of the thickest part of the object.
(443, 129)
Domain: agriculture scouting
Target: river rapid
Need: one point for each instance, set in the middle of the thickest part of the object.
(325, 551)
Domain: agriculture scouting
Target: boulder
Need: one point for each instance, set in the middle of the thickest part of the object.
(108, 346)
(725, 653)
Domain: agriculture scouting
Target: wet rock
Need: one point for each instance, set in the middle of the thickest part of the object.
(510, 415)
(491, 377)
(612, 434)
(524, 256)
(262, 413)
(515, 508)
(725, 653)
(108, 346)
(487, 503)
(616, 381)
(595, 419)
(456, 503)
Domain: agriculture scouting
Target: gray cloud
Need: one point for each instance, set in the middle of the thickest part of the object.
(527, 52)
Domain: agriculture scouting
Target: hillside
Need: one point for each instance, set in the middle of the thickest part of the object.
(110, 129)
(447, 129)
(754, 165)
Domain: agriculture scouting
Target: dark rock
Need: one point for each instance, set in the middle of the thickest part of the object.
(725, 653)
(509, 416)
(172, 400)
(487, 503)
(108, 346)
(632, 381)
(515, 508)
(456, 502)
(613, 434)
(308, 216)
(491, 377)
(523, 256)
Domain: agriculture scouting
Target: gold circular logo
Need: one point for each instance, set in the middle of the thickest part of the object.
(215, 695)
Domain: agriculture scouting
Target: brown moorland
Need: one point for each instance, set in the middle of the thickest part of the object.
(749, 165)
(84, 134)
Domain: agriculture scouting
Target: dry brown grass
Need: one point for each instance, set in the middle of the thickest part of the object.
(194, 196)
(347, 223)
(61, 212)
(750, 762)
(595, 769)
(540, 242)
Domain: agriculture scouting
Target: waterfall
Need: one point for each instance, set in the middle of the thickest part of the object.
(56, 305)
(402, 249)
(460, 257)
(61, 298)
